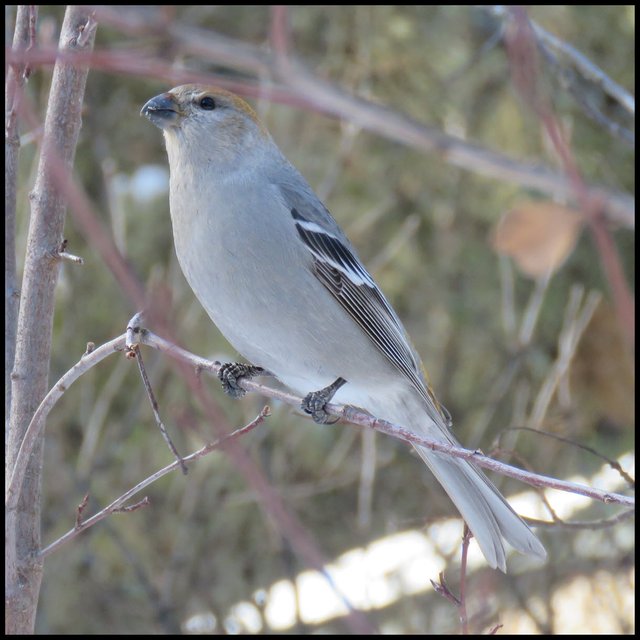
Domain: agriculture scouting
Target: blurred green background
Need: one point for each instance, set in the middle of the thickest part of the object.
(424, 229)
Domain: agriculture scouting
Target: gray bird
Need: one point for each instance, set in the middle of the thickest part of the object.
(284, 285)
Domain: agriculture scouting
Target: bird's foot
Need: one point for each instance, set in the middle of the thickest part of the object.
(231, 372)
(314, 403)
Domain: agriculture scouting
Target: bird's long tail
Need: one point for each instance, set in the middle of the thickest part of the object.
(488, 515)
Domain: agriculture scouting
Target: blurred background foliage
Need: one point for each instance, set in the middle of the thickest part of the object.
(422, 226)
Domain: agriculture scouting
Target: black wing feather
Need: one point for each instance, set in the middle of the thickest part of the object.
(347, 280)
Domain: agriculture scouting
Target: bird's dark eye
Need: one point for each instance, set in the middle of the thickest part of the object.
(208, 103)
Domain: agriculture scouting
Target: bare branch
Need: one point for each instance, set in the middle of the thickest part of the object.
(269, 499)
(35, 320)
(581, 77)
(37, 423)
(521, 45)
(118, 505)
(346, 413)
(135, 350)
(17, 75)
(297, 86)
(577, 316)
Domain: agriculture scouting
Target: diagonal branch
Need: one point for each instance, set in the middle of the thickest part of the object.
(348, 414)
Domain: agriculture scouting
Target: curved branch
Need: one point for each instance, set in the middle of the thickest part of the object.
(348, 414)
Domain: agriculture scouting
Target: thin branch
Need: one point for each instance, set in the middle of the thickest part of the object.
(614, 464)
(355, 416)
(580, 75)
(37, 424)
(346, 413)
(35, 319)
(299, 87)
(17, 75)
(63, 254)
(80, 510)
(118, 505)
(577, 316)
(532, 311)
(521, 46)
(135, 351)
(442, 588)
(268, 498)
(462, 609)
(590, 525)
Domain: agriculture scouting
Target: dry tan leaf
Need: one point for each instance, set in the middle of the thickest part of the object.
(539, 236)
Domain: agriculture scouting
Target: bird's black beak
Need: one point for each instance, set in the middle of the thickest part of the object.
(162, 111)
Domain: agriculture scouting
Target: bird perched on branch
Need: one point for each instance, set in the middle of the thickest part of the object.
(284, 285)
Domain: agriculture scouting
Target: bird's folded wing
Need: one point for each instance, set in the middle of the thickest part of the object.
(341, 272)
